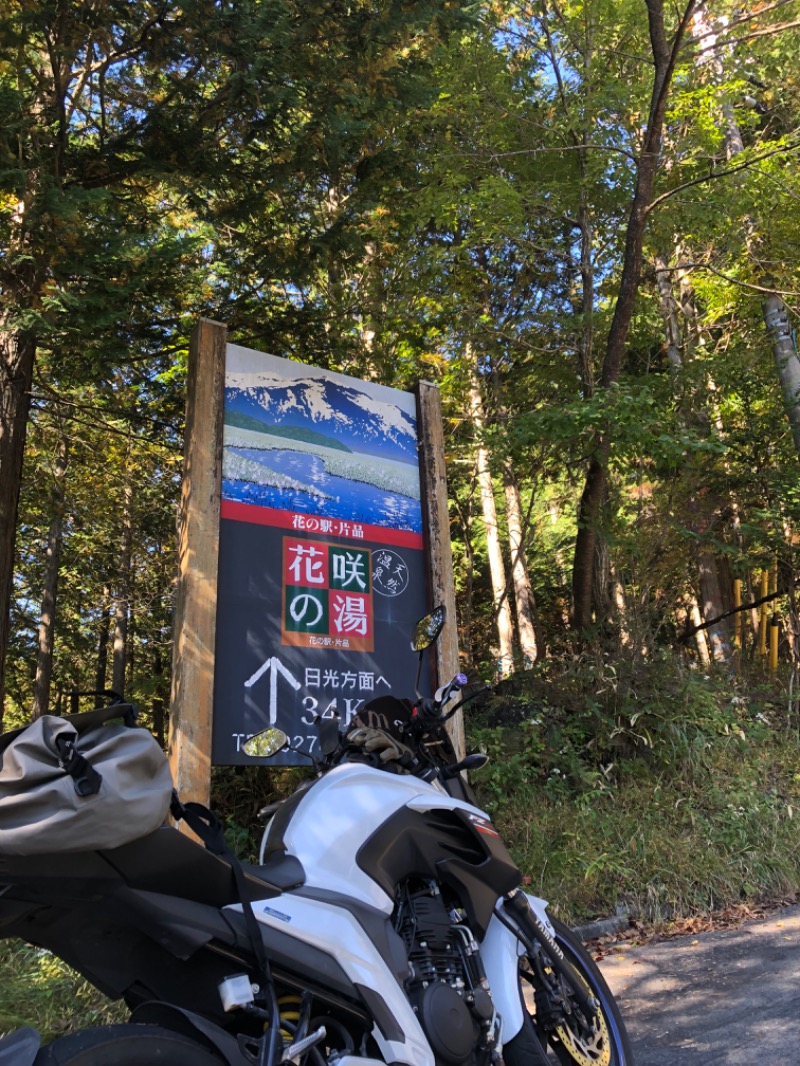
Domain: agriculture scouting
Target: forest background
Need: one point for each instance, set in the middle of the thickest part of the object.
(580, 219)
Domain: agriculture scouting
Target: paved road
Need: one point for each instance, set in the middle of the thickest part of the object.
(726, 998)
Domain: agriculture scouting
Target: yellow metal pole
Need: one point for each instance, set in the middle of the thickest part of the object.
(762, 629)
(773, 582)
(774, 630)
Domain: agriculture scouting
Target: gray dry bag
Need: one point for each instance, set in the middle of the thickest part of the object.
(81, 783)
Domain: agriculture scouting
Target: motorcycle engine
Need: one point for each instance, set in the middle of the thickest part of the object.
(446, 986)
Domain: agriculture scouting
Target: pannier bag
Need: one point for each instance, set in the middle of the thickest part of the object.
(81, 783)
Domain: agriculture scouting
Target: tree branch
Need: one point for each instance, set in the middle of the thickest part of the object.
(748, 17)
(727, 277)
(727, 614)
(778, 27)
(720, 174)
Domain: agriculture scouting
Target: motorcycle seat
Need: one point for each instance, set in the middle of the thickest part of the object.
(278, 870)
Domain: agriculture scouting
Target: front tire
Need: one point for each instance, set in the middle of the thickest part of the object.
(126, 1045)
(598, 1041)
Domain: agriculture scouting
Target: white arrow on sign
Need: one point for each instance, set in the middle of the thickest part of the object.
(275, 667)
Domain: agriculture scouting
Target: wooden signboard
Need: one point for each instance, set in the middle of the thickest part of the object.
(314, 532)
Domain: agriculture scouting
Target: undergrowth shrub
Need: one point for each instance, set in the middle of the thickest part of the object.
(239, 793)
(39, 989)
(647, 783)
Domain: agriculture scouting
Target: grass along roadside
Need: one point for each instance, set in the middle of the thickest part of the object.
(40, 990)
(662, 848)
(675, 795)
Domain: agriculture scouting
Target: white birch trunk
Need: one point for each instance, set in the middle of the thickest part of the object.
(493, 546)
(523, 593)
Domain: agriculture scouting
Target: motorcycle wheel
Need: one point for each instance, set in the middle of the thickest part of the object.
(126, 1045)
(601, 1040)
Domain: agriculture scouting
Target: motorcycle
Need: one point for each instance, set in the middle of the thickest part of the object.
(384, 924)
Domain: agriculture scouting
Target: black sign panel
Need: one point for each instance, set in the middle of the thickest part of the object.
(322, 573)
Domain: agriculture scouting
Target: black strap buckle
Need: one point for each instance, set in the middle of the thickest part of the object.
(85, 778)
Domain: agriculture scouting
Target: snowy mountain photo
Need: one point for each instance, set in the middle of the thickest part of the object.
(352, 412)
(307, 440)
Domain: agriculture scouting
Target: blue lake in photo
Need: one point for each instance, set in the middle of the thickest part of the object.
(355, 501)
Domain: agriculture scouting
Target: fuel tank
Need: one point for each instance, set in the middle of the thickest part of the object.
(359, 831)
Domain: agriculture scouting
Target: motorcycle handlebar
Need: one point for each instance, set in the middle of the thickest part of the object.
(443, 694)
(430, 711)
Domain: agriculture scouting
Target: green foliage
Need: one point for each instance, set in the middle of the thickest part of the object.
(38, 989)
(218, 162)
(653, 785)
(239, 793)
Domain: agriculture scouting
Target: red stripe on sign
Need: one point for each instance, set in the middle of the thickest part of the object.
(329, 527)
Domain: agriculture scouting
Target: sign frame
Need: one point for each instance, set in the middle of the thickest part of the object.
(195, 619)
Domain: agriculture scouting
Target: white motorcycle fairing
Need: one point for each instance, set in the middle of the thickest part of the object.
(501, 951)
(335, 931)
(340, 812)
(328, 826)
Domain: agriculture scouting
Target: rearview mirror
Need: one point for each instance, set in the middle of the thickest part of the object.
(262, 745)
(428, 629)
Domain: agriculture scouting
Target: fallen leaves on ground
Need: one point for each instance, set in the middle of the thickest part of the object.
(641, 932)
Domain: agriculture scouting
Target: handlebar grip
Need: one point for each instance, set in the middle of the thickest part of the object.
(444, 693)
(429, 712)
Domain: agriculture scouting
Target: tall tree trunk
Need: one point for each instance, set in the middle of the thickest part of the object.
(159, 702)
(465, 600)
(122, 598)
(494, 550)
(669, 312)
(581, 138)
(523, 592)
(101, 672)
(713, 574)
(700, 634)
(620, 608)
(17, 355)
(776, 319)
(693, 333)
(554, 511)
(589, 511)
(601, 579)
(587, 289)
(788, 578)
(713, 603)
(753, 592)
(44, 662)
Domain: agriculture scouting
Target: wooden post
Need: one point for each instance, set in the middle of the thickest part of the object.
(198, 543)
(436, 516)
(762, 632)
(737, 603)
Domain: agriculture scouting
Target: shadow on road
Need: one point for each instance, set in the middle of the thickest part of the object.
(730, 997)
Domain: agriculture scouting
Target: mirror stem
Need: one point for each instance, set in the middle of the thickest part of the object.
(419, 674)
